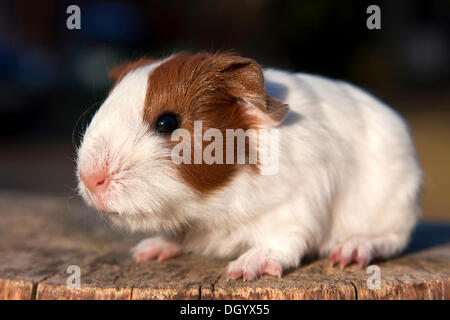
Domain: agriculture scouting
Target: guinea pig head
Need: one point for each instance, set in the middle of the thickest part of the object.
(125, 163)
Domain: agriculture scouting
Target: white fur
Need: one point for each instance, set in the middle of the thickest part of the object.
(347, 170)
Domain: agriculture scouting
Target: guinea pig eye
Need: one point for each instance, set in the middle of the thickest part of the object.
(167, 123)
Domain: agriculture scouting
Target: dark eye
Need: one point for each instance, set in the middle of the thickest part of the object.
(167, 123)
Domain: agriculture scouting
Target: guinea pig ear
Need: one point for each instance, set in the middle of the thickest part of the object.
(245, 81)
(119, 71)
(276, 111)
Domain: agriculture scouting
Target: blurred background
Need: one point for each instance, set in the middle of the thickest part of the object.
(52, 79)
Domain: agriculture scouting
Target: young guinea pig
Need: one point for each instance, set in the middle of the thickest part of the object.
(347, 183)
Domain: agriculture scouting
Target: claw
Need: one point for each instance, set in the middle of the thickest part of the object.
(272, 268)
(356, 250)
(335, 257)
(363, 262)
(233, 275)
(347, 259)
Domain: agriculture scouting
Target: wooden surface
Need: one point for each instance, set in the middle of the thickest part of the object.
(41, 236)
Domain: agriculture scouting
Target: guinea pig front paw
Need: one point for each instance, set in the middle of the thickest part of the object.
(157, 248)
(253, 264)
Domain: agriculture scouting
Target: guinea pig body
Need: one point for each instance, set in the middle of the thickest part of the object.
(347, 186)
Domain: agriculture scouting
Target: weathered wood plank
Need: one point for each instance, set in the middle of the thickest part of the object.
(40, 237)
(313, 281)
(16, 289)
(423, 275)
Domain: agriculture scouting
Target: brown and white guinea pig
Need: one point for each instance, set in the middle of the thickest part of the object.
(347, 183)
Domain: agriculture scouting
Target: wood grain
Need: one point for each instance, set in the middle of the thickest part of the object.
(41, 236)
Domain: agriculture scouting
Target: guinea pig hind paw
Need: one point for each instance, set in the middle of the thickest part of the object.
(155, 248)
(251, 266)
(356, 250)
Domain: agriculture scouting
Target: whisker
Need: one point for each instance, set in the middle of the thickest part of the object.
(78, 121)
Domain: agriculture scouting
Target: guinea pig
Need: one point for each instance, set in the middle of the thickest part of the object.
(346, 185)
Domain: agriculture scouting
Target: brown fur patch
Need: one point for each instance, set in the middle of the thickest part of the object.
(211, 88)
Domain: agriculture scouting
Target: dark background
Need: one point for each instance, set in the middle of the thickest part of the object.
(49, 75)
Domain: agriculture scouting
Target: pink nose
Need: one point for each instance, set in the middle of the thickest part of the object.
(97, 182)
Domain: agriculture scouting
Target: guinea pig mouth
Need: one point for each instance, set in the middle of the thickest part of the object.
(114, 213)
(97, 202)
